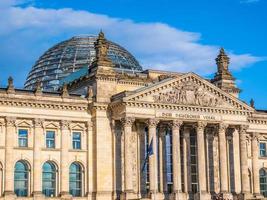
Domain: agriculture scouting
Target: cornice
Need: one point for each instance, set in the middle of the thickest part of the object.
(185, 108)
(42, 104)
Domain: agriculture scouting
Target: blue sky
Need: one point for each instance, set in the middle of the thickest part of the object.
(176, 35)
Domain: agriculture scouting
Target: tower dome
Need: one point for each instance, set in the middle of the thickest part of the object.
(70, 56)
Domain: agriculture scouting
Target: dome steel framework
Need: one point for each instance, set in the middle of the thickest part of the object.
(72, 55)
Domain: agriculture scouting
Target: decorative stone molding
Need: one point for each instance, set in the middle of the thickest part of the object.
(243, 129)
(65, 125)
(200, 126)
(127, 121)
(188, 94)
(176, 124)
(255, 136)
(38, 123)
(10, 121)
(222, 127)
(152, 122)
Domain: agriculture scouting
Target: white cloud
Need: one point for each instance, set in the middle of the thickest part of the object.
(155, 45)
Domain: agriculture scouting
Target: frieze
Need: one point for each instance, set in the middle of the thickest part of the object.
(188, 94)
(188, 116)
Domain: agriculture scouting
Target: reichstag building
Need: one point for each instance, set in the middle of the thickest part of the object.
(91, 124)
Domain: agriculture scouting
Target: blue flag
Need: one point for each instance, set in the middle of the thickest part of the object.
(150, 152)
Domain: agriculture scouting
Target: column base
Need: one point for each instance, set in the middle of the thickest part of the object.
(127, 195)
(202, 196)
(9, 195)
(178, 196)
(157, 196)
(65, 195)
(249, 196)
(104, 195)
(38, 195)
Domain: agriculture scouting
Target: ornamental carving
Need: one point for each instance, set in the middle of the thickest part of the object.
(10, 121)
(152, 122)
(188, 94)
(176, 124)
(65, 124)
(222, 127)
(127, 121)
(200, 126)
(38, 123)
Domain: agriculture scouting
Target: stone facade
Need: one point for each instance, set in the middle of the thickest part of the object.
(149, 135)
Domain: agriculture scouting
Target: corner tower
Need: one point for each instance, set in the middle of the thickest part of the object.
(223, 78)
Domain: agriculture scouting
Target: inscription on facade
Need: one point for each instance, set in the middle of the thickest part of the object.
(188, 116)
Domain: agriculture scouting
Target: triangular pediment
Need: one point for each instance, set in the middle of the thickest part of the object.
(188, 89)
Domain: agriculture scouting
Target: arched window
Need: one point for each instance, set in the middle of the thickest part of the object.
(21, 179)
(263, 182)
(49, 179)
(75, 180)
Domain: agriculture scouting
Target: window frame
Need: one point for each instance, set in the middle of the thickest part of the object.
(26, 181)
(262, 150)
(53, 180)
(79, 174)
(75, 141)
(20, 138)
(47, 140)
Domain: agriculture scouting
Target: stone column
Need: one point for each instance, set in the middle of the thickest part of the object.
(201, 158)
(244, 160)
(176, 158)
(37, 168)
(153, 163)
(9, 161)
(64, 161)
(162, 161)
(236, 151)
(255, 167)
(128, 162)
(186, 146)
(223, 158)
(90, 156)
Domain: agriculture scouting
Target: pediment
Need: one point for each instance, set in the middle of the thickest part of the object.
(188, 89)
(23, 123)
(51, 125)
(77, 127)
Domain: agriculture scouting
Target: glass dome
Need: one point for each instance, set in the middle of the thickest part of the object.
(72, 55)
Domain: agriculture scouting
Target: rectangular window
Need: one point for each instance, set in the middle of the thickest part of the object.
(76, 140)
(50, 139)
(23, 137)
(262, 149)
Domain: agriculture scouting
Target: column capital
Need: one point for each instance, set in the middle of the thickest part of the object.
(38, 123)
(222, 127)
(65, 124)
(176, 124)
(127, 121)
(10, 121)
(152, 122)
(255, 136)
(243, 128)
(200, 126)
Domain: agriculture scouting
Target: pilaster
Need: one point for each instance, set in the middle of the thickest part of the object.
(9, 161)
(64, 161)
(38, 134)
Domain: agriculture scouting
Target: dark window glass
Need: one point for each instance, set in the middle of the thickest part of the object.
(168, 148)
(75, 180)
(50, 139)
(49, 179)
(76, 140)
(23, 137)
(263, 182)
(21, 179)
(262, 149)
